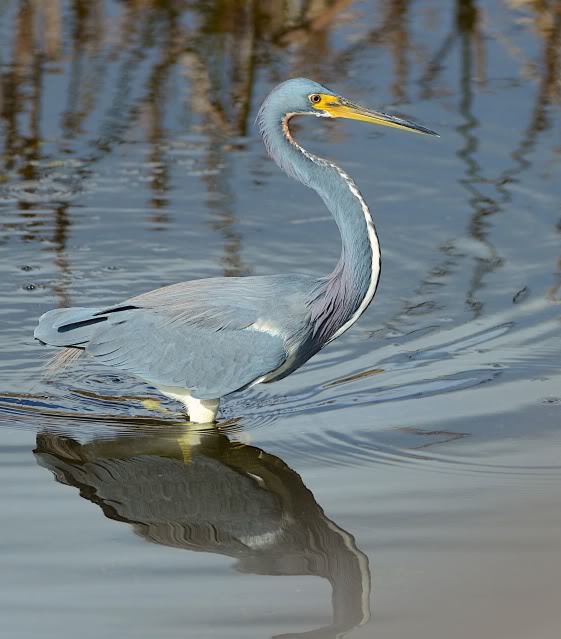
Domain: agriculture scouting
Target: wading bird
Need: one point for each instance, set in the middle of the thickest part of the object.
(199, 341)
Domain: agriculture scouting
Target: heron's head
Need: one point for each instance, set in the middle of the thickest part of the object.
(305, 97)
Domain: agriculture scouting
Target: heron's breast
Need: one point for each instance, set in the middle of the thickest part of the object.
(293, 336)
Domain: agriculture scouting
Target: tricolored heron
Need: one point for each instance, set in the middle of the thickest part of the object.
(199, 341)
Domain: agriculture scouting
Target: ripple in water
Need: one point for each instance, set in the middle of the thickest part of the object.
(337, 448)
(43, 191)
(91, 400)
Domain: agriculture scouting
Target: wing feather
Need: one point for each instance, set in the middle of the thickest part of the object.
(211, 363)
(212, 303)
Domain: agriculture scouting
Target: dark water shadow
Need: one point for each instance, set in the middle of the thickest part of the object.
(201, 491)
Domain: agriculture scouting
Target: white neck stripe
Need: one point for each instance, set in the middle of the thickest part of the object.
(371, 230)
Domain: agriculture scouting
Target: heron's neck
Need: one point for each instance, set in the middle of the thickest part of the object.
(342, 297)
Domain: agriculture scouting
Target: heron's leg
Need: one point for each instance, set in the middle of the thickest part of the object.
(200, 411)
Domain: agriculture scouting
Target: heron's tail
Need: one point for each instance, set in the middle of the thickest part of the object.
(68, 326)
(60, 361)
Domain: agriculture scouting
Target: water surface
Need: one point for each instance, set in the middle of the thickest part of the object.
(406, 481)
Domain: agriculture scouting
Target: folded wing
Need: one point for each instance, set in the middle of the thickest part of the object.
(200, 335)
(209, 362)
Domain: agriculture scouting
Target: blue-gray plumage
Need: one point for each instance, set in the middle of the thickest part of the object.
(199, 341)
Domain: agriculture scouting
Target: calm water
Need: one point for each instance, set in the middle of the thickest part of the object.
(407, 481)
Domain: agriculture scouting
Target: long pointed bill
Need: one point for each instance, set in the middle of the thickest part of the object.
(340, 108)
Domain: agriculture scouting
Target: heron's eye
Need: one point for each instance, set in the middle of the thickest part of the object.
(315, 98)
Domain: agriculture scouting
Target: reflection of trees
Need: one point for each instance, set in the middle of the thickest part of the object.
(468, 25)
(547, 21)
(85, 72)
(36, 42)
(467, 35)
(126, 64)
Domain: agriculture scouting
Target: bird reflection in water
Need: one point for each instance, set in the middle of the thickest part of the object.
(200, 491)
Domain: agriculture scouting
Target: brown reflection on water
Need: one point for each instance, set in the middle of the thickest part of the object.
(62, 227)
(202, 492)
(547, 21)
(467, 35)
(85, 73)
(468, 24)
(210, 55)
(154, 109)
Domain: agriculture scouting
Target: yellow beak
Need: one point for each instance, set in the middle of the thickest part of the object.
(338, 107)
